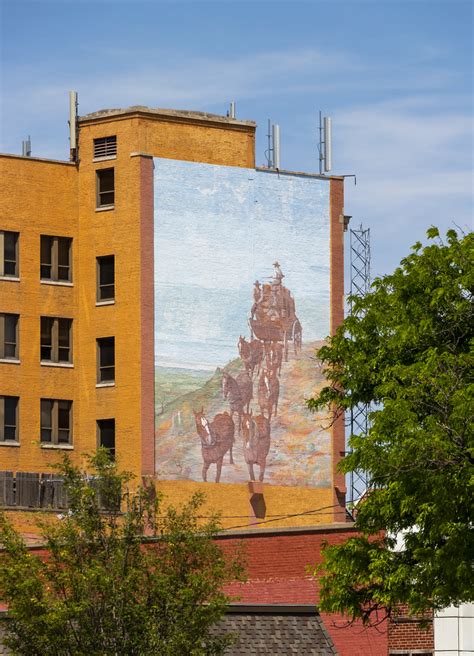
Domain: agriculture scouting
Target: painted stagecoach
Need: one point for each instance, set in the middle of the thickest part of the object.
(273, 315)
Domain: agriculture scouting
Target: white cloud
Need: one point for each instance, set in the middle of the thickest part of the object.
(411, 153)
(413, 159)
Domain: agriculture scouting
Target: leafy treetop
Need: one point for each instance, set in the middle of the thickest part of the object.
(407, 350)
(104, 588)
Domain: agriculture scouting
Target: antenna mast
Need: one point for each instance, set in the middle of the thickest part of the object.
(272, 153)
(26, 147)
(325, 144)
(231, 110)
(73, 105)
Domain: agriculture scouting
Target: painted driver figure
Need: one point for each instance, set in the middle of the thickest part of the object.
(278, 276)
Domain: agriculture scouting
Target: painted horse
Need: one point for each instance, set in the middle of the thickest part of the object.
(256, 439)
(273, 356)
(238, 391)
(217, 437)
(268, 392)
(251, 354)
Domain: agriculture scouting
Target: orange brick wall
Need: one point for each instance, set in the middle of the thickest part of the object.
(198, 142)
(113, 232)
(44, 197)
(59, 199)
(37, 197)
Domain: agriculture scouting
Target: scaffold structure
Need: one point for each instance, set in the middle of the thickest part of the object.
(357, 482)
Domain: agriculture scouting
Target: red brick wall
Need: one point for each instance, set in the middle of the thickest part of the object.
(147, 316)
(277, 570)
(405, 633)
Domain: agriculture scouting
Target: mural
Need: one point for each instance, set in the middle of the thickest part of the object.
(241, 304)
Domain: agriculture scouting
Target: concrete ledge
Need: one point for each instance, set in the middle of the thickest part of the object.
(175, 115)
(38, 159)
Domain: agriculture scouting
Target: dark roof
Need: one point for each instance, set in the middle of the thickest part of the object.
(275, 630)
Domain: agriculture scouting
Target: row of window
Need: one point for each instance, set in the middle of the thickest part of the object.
(55, 262)
(56, 332)
(55, 423)
(55, 344)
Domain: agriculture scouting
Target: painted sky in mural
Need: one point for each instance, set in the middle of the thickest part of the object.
(220, 381)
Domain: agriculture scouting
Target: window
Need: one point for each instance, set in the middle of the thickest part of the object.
(9, 336)
(106, 435)
(106, 278)
(56, 258)
(9, 418)
(9, 254)
(105, 188)
(56, 421)
(106, 360)
(56, 340)
(105, 147)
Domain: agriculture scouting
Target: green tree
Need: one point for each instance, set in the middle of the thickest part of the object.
(408, 351)
(105, 589)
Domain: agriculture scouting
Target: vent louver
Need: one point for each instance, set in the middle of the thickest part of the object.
(105, 147)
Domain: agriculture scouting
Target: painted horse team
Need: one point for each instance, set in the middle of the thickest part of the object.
(262, 361)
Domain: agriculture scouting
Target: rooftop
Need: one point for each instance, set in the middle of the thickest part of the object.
(165, 113)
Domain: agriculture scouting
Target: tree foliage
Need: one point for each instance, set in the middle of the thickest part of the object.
(105, 589)
(408, 351)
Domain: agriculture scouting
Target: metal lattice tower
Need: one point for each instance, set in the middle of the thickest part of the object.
(360, 284)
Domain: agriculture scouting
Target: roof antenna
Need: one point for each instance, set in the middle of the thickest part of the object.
(73, 106)
(272, 153)
(325, 144)
(231, 110)
(26, 147)
(276, 146)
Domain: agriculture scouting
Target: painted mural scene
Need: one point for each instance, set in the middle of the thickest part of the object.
(244, 418)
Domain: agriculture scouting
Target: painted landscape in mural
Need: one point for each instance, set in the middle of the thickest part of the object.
(242, 303)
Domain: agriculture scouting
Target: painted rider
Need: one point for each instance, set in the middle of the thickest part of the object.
(276, 293)
(278, 275)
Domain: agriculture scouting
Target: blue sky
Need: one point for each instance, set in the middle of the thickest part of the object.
(217, 229)
(395, 76)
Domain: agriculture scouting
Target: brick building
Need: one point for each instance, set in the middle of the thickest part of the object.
(77, 297)
(78, 325)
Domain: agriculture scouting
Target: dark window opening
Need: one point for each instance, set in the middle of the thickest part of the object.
(106, 360)
(56, 421)
(106, 435)
(9, 418)
(9, 336)
(105, 187)
(106, 278)
(56, 339)
(105, 147)
(56, 258)
(64, 418)
(47, 420)
(9, 254)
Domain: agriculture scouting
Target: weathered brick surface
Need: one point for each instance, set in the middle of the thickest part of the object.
(406, 633)
(36, 197)
(277, 567)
